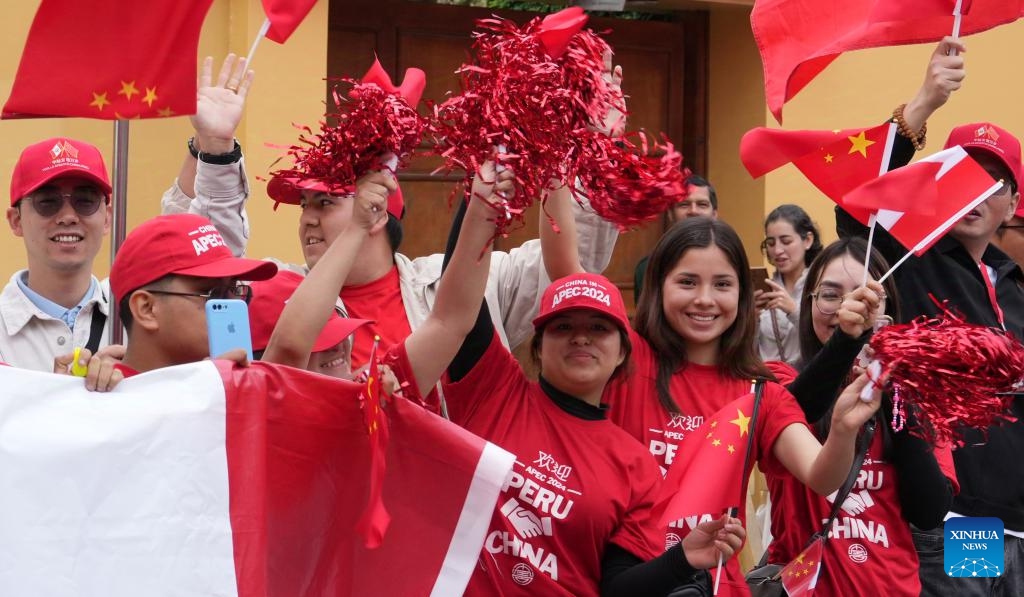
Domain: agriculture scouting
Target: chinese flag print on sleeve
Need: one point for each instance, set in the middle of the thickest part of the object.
(115, 59)
(228, 481)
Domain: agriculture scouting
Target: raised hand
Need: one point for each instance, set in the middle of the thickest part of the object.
(944, 75)
(711, 539)
(860, 309)
(220, 103)
(614, 123)
(850, 410)
(776, 298)
(101, 374)
(371, 199)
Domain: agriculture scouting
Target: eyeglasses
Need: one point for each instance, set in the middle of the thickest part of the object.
(238, 291)
(827, 301)
(86, 201)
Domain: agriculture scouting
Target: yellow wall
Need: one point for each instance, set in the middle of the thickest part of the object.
(858, 89)
(288, 88)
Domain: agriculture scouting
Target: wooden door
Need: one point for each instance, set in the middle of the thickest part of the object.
(665, 67)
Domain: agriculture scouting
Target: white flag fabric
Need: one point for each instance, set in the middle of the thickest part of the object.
(205, 479)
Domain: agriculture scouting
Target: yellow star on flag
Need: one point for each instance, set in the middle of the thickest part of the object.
(860, 144)
(828, 158)
(742, 421)
(99, 100)
(714, 423)
(128, 89)
(150, 96)
(165, 112)
(732, 449)
(717, 442)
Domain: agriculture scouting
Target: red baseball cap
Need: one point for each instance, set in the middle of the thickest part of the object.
(286, 189)
(993, 139)
(582, 291)
(179, 244)
(268, 300)
(44, 161)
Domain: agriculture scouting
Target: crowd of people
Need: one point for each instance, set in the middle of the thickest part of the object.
(616, 398)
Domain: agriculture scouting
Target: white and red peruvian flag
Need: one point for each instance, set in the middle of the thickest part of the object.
(919, 203)
(207, 480)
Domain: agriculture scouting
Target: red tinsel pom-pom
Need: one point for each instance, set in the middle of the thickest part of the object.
(627, 184)
(369, 124)
(523, 107)
(952, 372)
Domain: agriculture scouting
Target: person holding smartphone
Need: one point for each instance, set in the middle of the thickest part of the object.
(791, 242)
(166, 271)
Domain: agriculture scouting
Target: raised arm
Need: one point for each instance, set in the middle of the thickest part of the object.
(434, 344)
(559, 247)
(311, 305)
(823, 468)
(212, 181)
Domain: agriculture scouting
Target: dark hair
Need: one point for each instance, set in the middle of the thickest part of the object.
(627, 350)
(699, 181)
(738, 355)
(987, 157)
(802, 224)
(394, 231)
(856, 248)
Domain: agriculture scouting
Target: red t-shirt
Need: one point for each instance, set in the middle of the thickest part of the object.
(577, 485)
(870, 547)
(381, 301)
(699, 391)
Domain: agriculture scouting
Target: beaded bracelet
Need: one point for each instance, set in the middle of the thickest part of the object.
(917, 138)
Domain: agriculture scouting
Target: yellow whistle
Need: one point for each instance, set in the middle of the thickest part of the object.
(77, 369)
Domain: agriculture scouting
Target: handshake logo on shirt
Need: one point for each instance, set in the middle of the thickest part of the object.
(525, 522)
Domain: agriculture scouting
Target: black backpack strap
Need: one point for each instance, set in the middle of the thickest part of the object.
(99, 320)
(851, 478)
(751, 432)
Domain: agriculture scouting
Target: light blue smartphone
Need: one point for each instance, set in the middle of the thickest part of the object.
(227, 326)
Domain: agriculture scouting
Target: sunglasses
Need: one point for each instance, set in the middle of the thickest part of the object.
(86, 201)
(237, 290)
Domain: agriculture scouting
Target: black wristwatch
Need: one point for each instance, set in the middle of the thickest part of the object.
(220, 159)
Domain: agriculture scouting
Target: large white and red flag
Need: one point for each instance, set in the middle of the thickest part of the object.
(207, 480)
(919, 203)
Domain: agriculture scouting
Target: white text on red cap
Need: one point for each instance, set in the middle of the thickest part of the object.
(210, 239)
(583, 288)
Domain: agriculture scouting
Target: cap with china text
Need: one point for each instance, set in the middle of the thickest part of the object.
(179, 244)
(582, 291)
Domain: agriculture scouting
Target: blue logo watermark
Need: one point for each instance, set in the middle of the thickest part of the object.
(973, 547)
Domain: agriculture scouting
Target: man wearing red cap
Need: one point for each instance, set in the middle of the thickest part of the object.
(969, 274)
(166, 270)
(60, 206)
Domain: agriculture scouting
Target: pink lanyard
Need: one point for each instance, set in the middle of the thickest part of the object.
(992, 294)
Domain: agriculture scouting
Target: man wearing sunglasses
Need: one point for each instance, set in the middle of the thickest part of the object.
(166, 270)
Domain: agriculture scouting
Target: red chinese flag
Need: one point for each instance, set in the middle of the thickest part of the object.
(707, 474)
(799, 38)
(951, 181)
(836, 162)
(800, 576)
(109, 60)
(375, 519)
(285, 17)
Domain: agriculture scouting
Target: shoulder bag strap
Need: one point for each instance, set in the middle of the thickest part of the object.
(858, 461)
(99, 319)
(752, 431)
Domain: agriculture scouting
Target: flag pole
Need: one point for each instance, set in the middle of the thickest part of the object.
(256, 42)
(893, 268)
(120, 214)
(957, 18)
(873, 220)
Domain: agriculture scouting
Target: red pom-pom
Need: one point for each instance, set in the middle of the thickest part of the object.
(371, 123)
(955, 374)
(628, 185)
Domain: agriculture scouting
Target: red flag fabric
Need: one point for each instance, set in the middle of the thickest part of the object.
(707, 474)
(285, 16)
(411, 89)
(836, 162)
(116, 59)
(375, 519)
(800, 576)
(799, 38)
(950, 180)
(218, 480)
